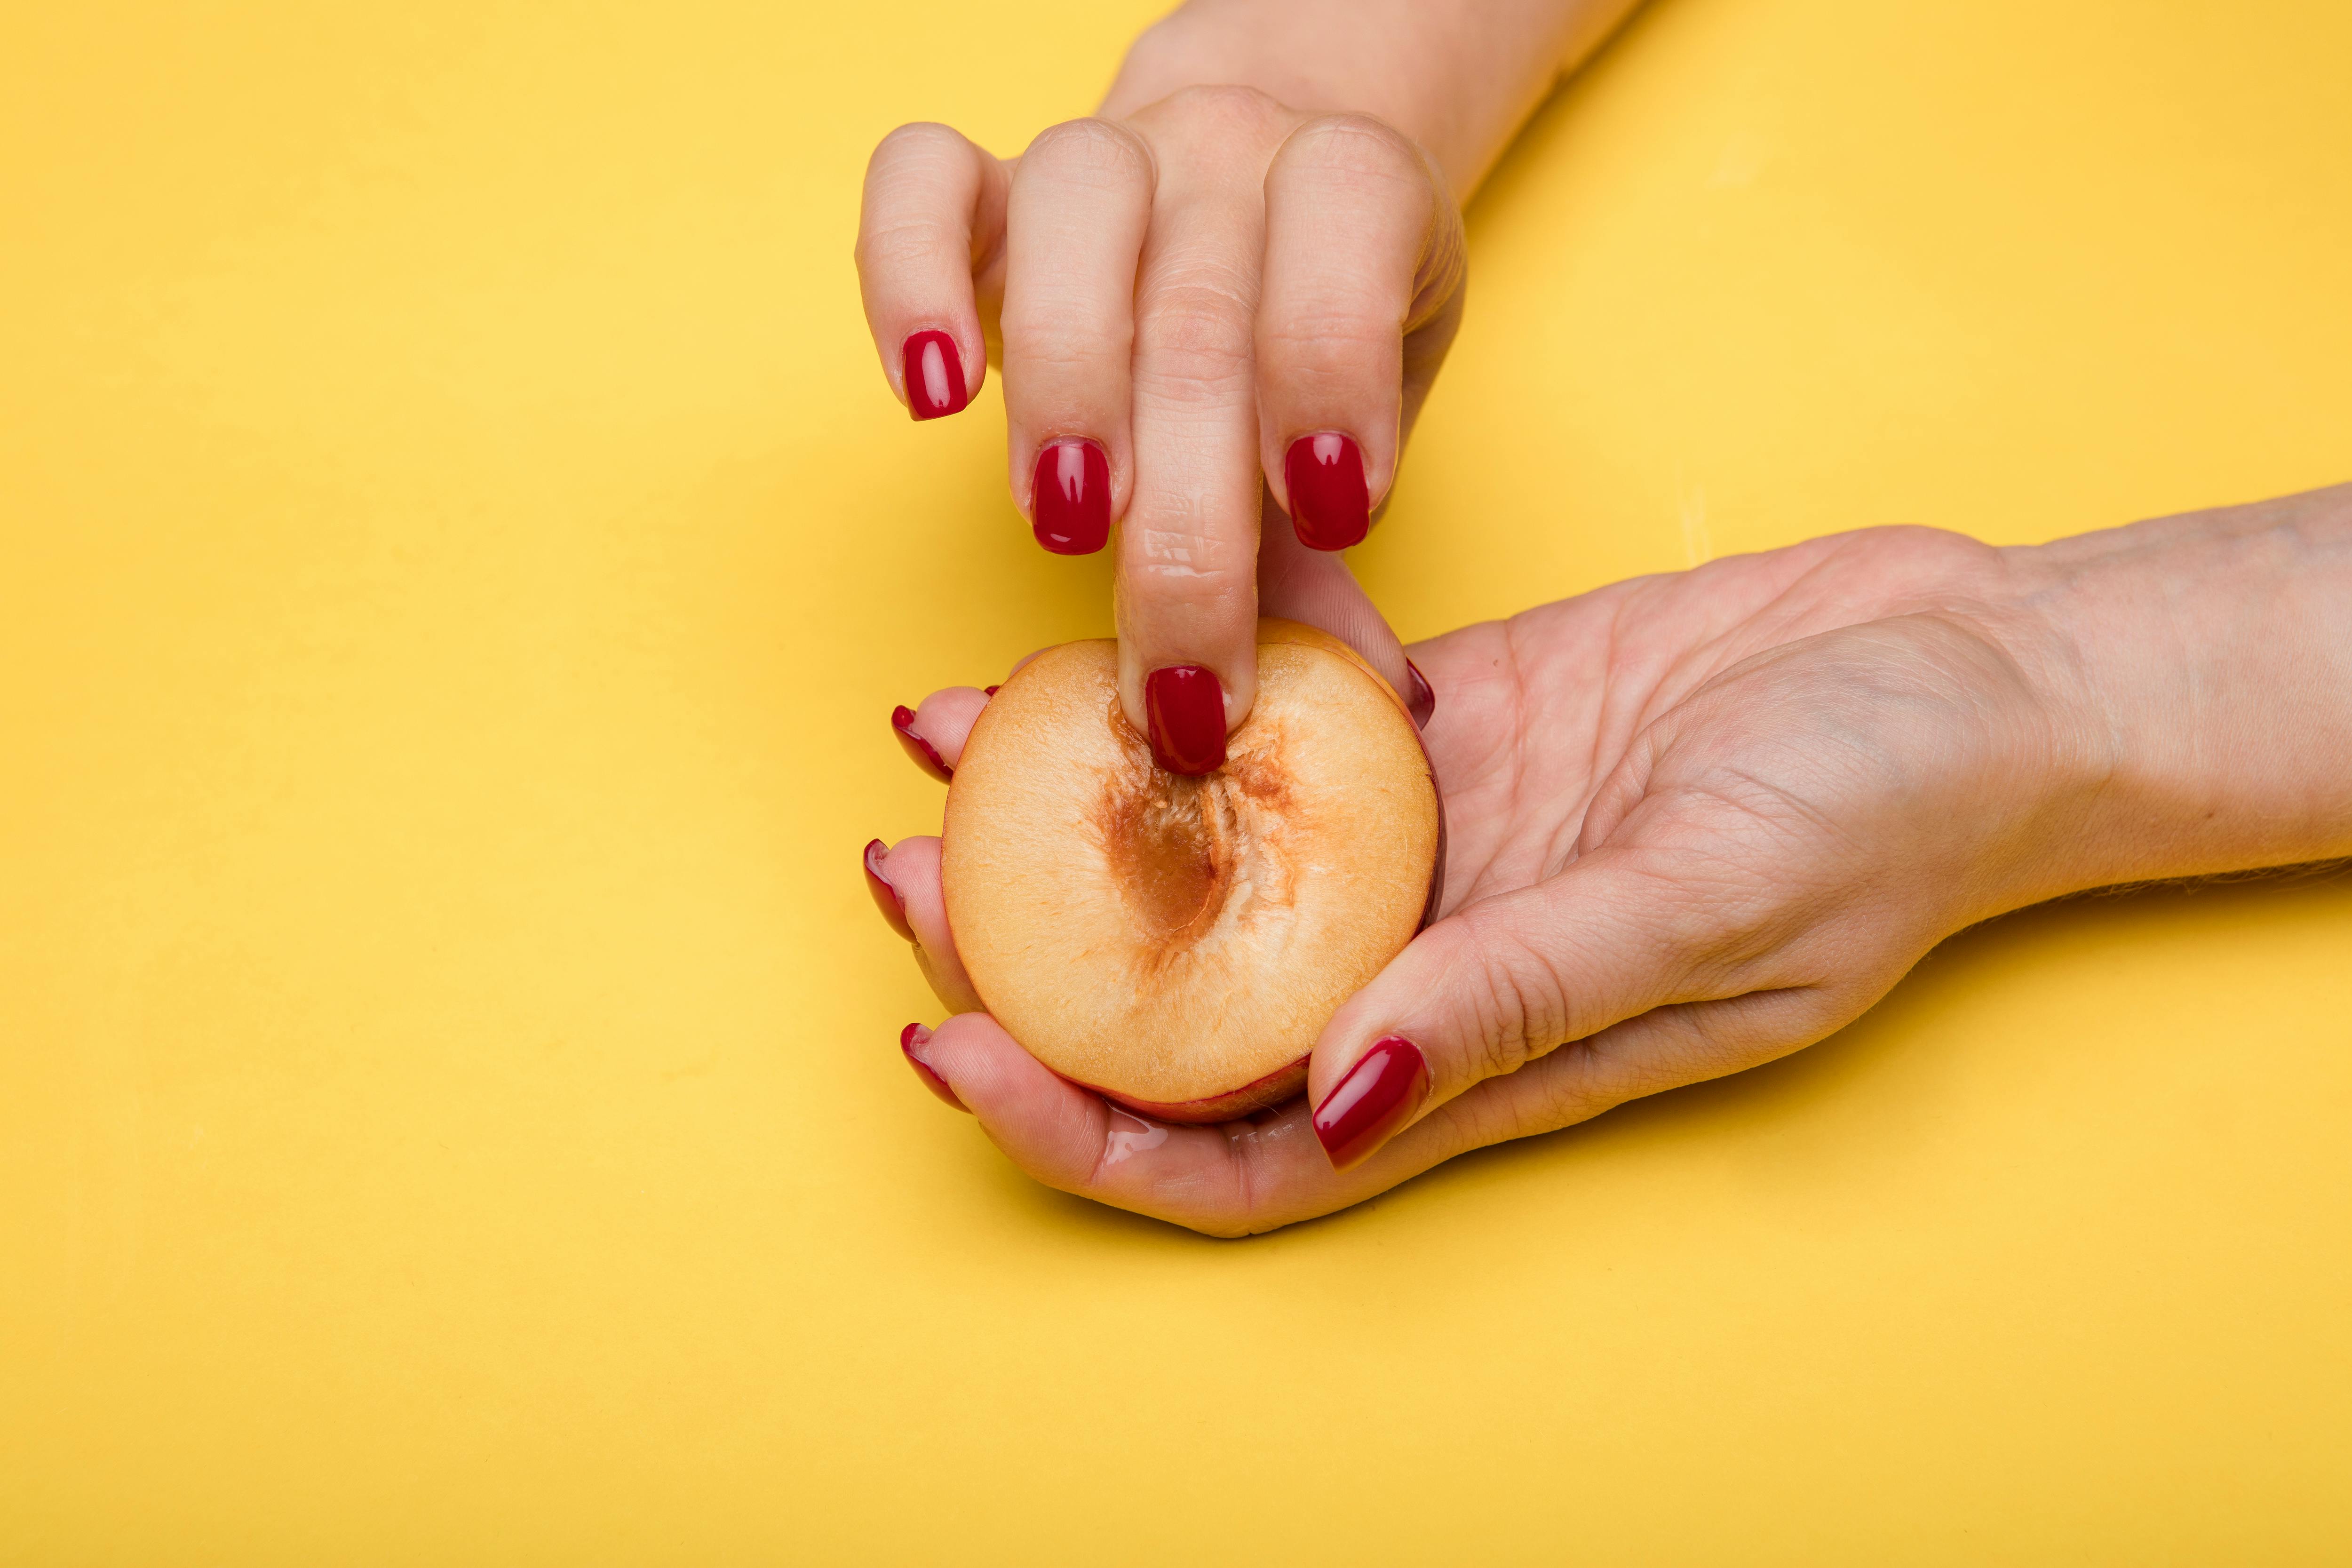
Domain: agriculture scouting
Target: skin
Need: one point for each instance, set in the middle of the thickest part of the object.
(1256, 237)
(1699, 821)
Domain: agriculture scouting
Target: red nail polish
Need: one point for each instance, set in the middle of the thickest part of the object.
(1330, 505)
(912, 1038)
(926, 755)
(1070, 497)
(886, 897)
(1186, 706)
(934, 373)
(1383, 1089)
(1421, 700)
(989, 691)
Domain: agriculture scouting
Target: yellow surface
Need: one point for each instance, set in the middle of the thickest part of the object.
(456, 558)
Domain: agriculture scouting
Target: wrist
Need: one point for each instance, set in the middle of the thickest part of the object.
(2196, 672)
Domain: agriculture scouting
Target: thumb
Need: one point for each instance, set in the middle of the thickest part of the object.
(1494, 986)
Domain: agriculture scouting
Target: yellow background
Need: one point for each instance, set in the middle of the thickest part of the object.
(457, 555)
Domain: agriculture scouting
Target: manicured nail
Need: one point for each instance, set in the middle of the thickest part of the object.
(1330, 506)
(1070, 497)
(989, 691)
(1186, 706)
(926, 755)
(1421, 700)
(911, 1041)
(934, 372)
(1384, 1087)
(886, 897)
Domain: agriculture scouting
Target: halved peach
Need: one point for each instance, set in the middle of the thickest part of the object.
(1176, 943)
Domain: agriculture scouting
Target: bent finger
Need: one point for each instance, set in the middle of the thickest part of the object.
(905, 882)
(1080, 201)
(933, 734)
(933, 213)
(1363, 249)
(1237, 1179)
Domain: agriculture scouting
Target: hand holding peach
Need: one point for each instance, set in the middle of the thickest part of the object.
(1698, 821)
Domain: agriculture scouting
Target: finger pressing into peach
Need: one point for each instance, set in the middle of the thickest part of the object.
(933, 733)
(1176, 942)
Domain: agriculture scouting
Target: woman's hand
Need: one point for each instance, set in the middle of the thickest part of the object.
(1694, 823)
(1210, 290)
(1699, 821)
(1218, 302)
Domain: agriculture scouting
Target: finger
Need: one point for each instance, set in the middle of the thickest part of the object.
(1500, 983)
(933, 734)
(1236, 1179)
(905, 882)
(1363, 250)
(1186, 585)
(932, 217)
(1300, 584)
(1075, 222)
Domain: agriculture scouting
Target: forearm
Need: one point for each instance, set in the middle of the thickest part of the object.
(1459, 77)
(2206, 663)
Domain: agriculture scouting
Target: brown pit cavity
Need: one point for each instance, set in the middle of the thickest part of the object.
(1171, 844)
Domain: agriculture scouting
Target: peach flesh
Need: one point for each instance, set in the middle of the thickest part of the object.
(1177, 944)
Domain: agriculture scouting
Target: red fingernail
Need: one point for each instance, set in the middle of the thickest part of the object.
(1380, 1092)
(934, 372)
(989, 691)
(1186, 705)
(1330, 506)
(913, 1038)
(1070, 497)
(1421, 700)
(886, 897)
(926, 755)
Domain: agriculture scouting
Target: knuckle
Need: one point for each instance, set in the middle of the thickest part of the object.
(920, 140)
(910, 242)
(1193, 571)
(1518, 1007)
(1198, 333)
(1335, 336)
(1078, 149)
(1228, 107)
(1359, 143)
(1571, 1094)
(1355, 307)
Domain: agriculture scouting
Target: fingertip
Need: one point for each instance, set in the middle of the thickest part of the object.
(1383, 1091)
(885, 893)
(934, 381)
(1070, 497)
(914, 1042)
(1330, 501)
(920, 751)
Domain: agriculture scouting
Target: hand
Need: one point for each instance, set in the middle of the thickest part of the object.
(1209, 290)
(1695, 822)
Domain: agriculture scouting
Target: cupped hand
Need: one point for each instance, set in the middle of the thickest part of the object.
(1203, 306)
(1695, 822)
